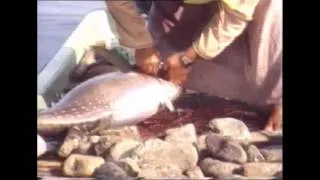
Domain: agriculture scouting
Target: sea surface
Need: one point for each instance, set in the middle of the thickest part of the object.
(56, 21)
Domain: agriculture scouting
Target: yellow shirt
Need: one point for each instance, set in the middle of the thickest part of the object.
(224, 26)
(197, 1)
(243, 9)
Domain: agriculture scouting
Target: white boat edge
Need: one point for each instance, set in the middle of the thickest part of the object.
(53, 77)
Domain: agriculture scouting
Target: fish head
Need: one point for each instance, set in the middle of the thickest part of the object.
(170, 90)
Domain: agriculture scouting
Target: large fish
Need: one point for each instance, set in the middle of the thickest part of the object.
(115, 99)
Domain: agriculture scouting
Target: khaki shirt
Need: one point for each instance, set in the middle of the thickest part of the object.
(224, 27)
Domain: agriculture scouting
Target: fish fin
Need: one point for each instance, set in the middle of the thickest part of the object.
(169, 105)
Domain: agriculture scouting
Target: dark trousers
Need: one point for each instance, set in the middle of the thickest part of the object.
(144, 6)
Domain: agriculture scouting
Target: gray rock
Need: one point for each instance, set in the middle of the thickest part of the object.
(230, 127)
(76, 141)
(218, 169)
(225, 149)
(129, 166)
(77, 165)
(261, 169)
(182, 154)
(202, 147)
(112, 171)
(265, 137)
(214, 143)
(131, 132)
(113, 136)
(201, 142)
(232, 151)
(236, 177)
(195, 173)
(69, 145)
(157, 157)
(168, 171)
(186, 133)
(122, 149)
(272, 153)
(182, 177)
(85, 147)
(105, 143)
(254, 154)
(94, 139)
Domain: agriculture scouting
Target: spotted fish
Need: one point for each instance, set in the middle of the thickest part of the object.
(115, 99)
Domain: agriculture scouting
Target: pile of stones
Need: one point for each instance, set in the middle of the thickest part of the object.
(227, 151)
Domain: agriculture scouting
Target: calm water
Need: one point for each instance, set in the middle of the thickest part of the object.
(56, 20)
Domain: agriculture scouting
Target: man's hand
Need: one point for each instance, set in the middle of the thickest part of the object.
(147, 60)
(175, 68)
(275, 119)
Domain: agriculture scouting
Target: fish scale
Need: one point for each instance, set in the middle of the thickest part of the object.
(125, 98)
